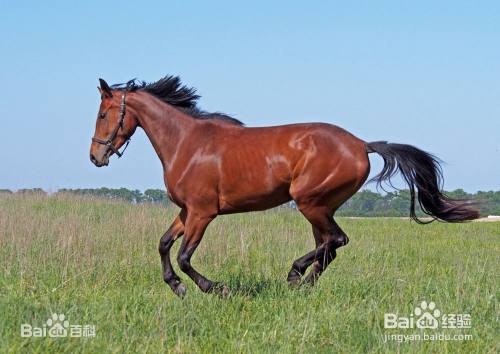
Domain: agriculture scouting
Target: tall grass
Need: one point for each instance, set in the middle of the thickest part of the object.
(96, 261)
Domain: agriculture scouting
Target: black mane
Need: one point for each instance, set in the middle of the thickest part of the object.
(170, 90)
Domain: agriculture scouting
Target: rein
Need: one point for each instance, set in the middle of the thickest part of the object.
(114, 133)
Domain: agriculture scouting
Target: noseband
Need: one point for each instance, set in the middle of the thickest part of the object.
(114, 133)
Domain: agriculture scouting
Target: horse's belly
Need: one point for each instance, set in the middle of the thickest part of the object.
(247, 198)
(253, 179)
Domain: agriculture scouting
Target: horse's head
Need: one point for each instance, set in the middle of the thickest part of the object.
(114, 127)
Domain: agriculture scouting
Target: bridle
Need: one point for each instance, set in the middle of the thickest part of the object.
(114, 133)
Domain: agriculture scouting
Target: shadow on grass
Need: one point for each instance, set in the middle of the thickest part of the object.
(251, 287)
(245, 286)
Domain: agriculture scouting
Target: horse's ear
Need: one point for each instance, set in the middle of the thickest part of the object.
(105, 89)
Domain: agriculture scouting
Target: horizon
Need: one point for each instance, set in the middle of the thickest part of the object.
(362, 189)
(384, 71)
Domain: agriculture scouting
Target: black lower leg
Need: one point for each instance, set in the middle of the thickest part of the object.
(169, 275)
(300, 266)
(334, 239)
(166, 242)
(184, 260)
(320, 265)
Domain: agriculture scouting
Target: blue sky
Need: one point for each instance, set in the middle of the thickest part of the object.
(422, 73)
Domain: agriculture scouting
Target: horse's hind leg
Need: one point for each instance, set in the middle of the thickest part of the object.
(300, 265)
(334, 239)
(328, 237)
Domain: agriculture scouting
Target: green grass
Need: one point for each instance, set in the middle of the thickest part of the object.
(97, 262)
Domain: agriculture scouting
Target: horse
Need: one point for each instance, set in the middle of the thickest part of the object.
(213, 165)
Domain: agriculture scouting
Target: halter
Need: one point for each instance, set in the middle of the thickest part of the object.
(109, 141)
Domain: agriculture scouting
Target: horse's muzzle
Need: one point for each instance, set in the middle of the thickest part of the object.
(99, 163)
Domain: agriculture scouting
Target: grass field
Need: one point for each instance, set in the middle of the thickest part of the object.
(97, 262)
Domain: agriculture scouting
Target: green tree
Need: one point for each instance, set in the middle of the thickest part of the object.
(156, 196)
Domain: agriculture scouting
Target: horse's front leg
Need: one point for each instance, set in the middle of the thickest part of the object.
(167, 240)
(196, 225)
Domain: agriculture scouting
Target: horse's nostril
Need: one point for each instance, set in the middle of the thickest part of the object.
(92, 158)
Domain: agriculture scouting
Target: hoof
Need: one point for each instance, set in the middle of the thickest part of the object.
(294, 284)
(221, 290)
(180, 290)
(225, 292)
(310, 280)
(293, 279)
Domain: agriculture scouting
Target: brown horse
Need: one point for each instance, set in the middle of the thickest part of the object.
(214, 165)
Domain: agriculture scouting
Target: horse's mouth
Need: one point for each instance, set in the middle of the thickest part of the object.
(100, 163)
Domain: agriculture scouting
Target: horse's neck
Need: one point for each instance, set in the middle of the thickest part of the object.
(164, 125)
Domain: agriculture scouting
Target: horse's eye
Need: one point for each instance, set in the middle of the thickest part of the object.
(102, 115)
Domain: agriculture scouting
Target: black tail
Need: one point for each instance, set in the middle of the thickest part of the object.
(423, 171)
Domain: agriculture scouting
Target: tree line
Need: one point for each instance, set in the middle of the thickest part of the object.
(369, 203)
(363, 203)
(135, 196)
